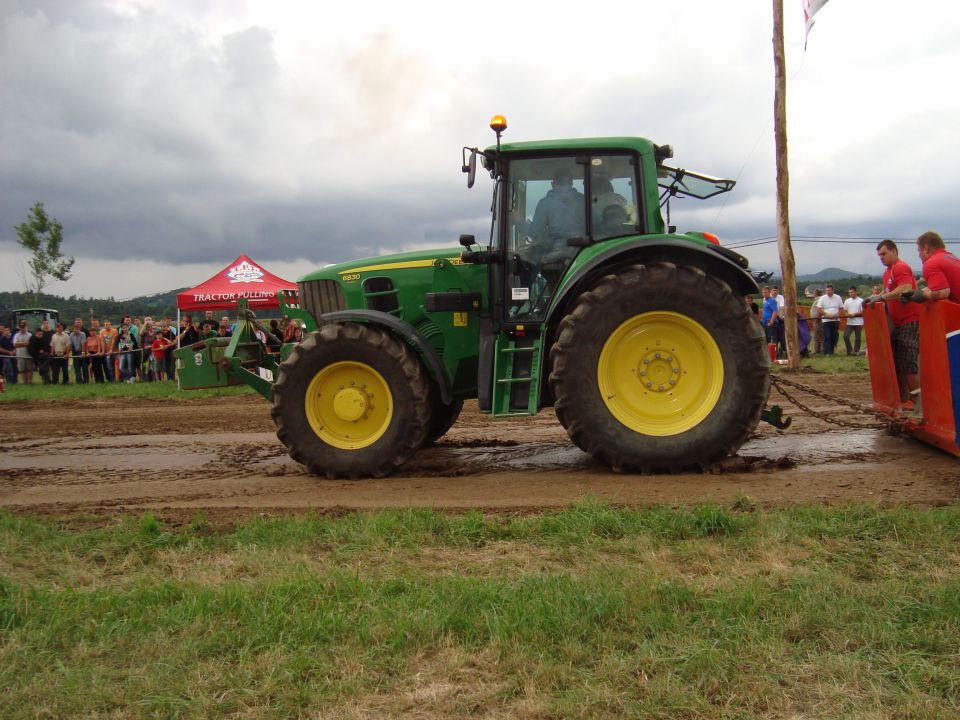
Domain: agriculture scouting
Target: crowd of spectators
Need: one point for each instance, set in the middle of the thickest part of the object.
(819, 331)
(136, 350)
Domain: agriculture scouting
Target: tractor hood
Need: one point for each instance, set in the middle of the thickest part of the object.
(385, 263)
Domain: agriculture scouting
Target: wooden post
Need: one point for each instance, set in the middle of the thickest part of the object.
(788, 268)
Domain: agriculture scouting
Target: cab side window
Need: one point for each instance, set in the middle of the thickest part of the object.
(613, 196)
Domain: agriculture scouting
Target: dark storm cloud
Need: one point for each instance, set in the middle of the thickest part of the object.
(149, 141)
(115, 125)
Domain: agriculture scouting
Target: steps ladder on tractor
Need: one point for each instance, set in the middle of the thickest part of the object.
(516, 375)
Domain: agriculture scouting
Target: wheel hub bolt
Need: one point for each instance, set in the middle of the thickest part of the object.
(659, 371)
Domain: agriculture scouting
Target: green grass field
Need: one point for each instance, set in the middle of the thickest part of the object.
(588, 612)
(835, 363)
(21, 393)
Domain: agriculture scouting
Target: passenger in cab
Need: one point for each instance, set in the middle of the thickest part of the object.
(612, 213)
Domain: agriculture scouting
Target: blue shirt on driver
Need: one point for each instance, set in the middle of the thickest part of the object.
(559, 216)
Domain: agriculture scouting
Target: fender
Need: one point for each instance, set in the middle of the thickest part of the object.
(715, 260)
(407, 332)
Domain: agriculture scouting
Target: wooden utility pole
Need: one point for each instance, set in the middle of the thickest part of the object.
(788, 268)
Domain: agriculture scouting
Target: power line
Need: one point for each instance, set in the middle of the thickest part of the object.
(828, 239)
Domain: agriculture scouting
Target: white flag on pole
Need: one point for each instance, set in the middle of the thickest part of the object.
(810, 8)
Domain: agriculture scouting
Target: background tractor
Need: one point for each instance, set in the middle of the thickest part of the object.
(34, 317)
(583, 299)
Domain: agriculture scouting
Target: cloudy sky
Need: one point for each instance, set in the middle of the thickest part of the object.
(169, 136)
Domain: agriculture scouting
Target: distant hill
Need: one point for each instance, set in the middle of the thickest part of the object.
(833, 275)
(164, 299)
(830, 274)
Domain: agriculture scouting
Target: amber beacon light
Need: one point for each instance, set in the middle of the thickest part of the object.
(498, 123)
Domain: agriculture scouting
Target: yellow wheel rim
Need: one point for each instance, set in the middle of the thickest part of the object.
(660, 373)
(349, 405)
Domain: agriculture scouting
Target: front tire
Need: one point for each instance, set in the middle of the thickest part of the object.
(659, 367)
(351, 401)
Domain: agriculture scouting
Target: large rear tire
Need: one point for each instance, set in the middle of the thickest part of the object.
(351, 401)
(659, 368)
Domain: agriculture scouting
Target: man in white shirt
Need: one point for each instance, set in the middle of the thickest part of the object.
(830, 305)
(20, 343)
(60, 348)
(853, 310)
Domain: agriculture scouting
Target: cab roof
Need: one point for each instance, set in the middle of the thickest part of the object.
(636, 144)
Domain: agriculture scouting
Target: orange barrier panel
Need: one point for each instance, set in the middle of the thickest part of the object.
(883, 375)
(939, 373)
(938, 320)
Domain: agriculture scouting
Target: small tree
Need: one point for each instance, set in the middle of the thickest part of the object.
(42, 237)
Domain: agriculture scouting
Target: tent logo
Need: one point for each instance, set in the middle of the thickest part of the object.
(245, 272)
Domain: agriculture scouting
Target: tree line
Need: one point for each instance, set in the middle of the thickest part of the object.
(71, 307)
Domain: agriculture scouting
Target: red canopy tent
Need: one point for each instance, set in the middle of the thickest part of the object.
(242, 278)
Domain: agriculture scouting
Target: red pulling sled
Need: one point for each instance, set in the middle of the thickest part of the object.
(935, 421)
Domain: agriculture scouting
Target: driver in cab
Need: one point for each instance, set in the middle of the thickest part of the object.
(560, 215)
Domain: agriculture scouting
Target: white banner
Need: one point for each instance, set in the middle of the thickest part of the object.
(810, 8)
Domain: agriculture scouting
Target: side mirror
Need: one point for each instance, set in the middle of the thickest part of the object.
(470, 167)
(467, 241)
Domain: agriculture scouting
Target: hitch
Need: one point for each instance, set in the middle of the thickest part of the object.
(237, 360)
(774, 416)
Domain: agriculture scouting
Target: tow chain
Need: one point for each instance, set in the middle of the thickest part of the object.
(779, 383)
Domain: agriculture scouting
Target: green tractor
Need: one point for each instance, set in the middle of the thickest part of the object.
(583, 299)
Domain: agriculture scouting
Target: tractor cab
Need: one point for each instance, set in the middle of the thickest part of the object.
(566, 213)
(550, 201)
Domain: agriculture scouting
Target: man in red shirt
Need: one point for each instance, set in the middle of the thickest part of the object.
(897, 280)
(941, 269)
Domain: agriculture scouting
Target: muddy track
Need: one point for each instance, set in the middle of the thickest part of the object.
(222, 456)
